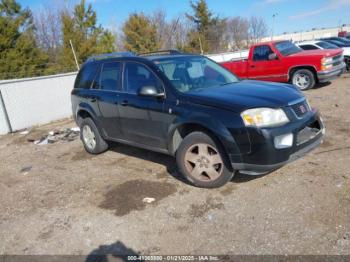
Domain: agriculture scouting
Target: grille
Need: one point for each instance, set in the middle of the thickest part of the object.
(336, 57)
(301, 108)
(337, 60)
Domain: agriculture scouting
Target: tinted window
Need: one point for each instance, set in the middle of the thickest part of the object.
(86, 76)
(326, 45)
(261, 53)
(194, 73)
(287, 48)
(110, 75)
(308, 47)
(137, 76)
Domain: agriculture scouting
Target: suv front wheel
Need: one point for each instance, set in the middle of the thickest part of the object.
(202, 161)
(91, 138)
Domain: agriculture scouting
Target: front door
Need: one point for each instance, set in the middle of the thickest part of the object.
(262, 68)
(142, 117)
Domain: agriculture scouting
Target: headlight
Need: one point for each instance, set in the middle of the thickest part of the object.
(264, 117)
(326, 63)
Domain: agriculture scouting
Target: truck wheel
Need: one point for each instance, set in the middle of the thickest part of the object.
(91, 138)
(202, 161)
(304, 79)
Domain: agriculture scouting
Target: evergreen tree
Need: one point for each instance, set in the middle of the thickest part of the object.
(19, 55)
(88, 39)
(208, 32)
(202, 19)
(140, 35)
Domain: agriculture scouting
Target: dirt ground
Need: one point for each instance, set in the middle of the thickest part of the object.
(57, 199)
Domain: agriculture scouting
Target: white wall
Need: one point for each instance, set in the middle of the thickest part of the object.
(34, 101)
(308, 35)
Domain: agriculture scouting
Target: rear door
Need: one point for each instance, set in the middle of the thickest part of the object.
(108, 85)
(261, 68)
(142, 118)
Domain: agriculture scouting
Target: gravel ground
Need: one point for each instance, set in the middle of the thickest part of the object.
(57, 199)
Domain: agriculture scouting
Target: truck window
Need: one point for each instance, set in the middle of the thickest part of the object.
(261, 53)
(308, 47)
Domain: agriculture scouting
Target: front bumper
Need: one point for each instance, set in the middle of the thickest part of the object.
(325, 76)
(265, 157)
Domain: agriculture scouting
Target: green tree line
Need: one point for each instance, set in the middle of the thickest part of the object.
(40, 44)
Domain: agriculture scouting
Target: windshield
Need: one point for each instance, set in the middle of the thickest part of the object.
(326, 45)
(188, 73)
(337, 43)
(287, 48)
(342, 40)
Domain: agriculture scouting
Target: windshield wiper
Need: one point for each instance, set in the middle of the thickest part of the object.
(228, 83)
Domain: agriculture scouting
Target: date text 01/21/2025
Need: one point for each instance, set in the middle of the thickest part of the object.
(173, 258)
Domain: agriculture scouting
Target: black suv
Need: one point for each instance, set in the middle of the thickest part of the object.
(190, 107)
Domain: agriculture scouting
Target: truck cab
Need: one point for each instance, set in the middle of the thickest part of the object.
(283, 61)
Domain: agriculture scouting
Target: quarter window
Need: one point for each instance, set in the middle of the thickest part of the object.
(86, 76)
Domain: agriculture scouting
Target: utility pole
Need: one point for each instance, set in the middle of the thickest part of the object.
(273, 24)
(200, 45)
(75, 57)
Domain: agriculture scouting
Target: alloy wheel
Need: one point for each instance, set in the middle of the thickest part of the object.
(89, 137)
(203, 162)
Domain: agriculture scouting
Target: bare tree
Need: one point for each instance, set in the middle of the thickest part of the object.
(48, 31)
(257, 28)
(238, 31)
(218, 35)
(158, 19)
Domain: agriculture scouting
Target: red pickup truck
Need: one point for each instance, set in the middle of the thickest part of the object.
(282, 61)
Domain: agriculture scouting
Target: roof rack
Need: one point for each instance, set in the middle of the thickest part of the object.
(161, 52)
(110, 55)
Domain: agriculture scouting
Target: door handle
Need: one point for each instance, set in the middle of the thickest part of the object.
(252, 66)
(124, 103)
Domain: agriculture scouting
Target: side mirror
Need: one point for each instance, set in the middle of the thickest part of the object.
(150, 91)
(273, 56)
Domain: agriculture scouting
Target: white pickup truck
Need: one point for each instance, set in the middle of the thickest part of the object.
(318, 44)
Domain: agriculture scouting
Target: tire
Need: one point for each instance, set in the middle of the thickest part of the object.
(202, 161)
(91, 138)
(304, 79)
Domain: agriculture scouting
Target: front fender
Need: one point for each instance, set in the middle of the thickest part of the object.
(222, 132)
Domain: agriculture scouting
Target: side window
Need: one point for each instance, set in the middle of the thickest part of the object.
(110, 76)
(86, 76)
(137, 76)
(261, 53)
(308, 47)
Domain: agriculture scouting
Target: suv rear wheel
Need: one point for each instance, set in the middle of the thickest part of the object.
(91, 138)
(304, 79)
(202, 161)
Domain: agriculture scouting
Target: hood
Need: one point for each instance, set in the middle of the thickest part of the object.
(346, 51)
(246, 94)
(318, 52)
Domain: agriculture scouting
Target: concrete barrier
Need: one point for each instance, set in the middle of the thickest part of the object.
(34, 101)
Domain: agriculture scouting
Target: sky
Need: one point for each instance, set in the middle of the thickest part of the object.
(292, 15)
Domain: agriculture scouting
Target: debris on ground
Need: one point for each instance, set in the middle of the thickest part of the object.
(148, 200)
(24, 132)
(26, 169)
(68, 135)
